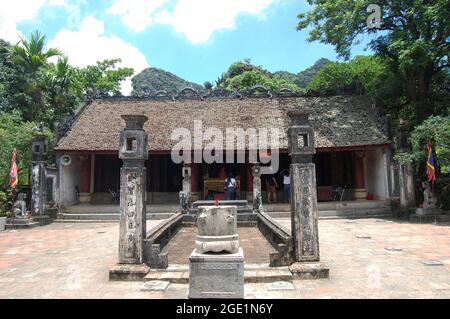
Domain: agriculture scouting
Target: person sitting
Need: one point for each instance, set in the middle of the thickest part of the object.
(230, 187)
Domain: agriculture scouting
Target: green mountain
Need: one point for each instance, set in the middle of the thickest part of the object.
(305, 76)
(152, 80)
(243, 74)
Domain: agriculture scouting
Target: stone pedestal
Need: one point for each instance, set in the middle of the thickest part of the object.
(216, 275)
(216, 267)
(85, 198)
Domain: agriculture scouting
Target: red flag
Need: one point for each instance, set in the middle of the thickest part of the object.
(431, 171)
(13, 178)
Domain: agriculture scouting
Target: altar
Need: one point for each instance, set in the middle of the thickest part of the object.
(213, 188)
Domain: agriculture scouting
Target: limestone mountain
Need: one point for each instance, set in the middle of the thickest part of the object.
(152, 80)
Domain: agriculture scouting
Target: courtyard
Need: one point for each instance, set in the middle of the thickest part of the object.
(368, 258)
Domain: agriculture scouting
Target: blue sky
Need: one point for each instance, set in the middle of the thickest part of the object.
(195, 39)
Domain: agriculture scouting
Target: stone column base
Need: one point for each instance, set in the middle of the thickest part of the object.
(360, 193)
(216, 276)
(309, 270)
(129, 272)
(195, 196)
(85, 198)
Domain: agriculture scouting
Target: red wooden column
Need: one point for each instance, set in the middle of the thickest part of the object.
(358, 175)
(85, 178)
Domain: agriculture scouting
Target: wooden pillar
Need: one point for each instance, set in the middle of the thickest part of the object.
(249, 173)
(195, 171)
(358, 176)
(85, 178)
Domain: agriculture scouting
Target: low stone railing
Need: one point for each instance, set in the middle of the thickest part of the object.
(157, 239)
(279, 238)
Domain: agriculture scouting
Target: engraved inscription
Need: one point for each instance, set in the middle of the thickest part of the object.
(217, 267)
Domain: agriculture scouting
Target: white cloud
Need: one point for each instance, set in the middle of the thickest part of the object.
(196, 19)
(136, 14)
(13, 12)
(88, 45)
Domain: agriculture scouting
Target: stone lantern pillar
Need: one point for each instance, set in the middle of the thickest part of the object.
(407, 192)
(305, 237)
(257, 194)
(303, 189)
(133, 151)
(39, 149)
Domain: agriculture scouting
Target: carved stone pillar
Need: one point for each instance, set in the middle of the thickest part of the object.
(303, 189)
(304, 223)
(39, 175)
(133, 151)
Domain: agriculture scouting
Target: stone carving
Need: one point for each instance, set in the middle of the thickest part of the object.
(217, 230)
(216, 266)
(185, 202)
(429, 200)
(133, 151)
(303, 189)
(20, 207)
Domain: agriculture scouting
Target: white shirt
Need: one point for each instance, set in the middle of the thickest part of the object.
(286, 180)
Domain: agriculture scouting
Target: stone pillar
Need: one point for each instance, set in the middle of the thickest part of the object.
(39, 175)
(303, 189)
(358, 175)
(304, 223)
(406, 172)
(133, 151)
(257, 194)
(185, 194)
(85, 179)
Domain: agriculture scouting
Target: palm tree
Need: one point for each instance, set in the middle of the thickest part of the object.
(31, 54)
(32, 57)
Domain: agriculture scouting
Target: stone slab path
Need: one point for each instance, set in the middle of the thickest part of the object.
(399, 260)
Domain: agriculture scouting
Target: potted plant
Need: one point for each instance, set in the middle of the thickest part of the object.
(3, 210)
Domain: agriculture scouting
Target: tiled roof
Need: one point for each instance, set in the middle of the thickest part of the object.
(338, 121)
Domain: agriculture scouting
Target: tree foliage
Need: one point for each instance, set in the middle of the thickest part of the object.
(413, 38)
(104, 76)
(15, 133)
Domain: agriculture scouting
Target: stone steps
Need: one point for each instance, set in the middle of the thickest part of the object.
(333, 214)
(253, 273)
(104, 217)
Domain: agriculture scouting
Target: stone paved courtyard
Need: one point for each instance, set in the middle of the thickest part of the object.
(72, 261)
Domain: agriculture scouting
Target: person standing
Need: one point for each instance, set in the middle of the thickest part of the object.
(230, 187)
(271, 186)
(286, 185)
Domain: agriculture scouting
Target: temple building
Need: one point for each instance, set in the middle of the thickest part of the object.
(352, 146)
